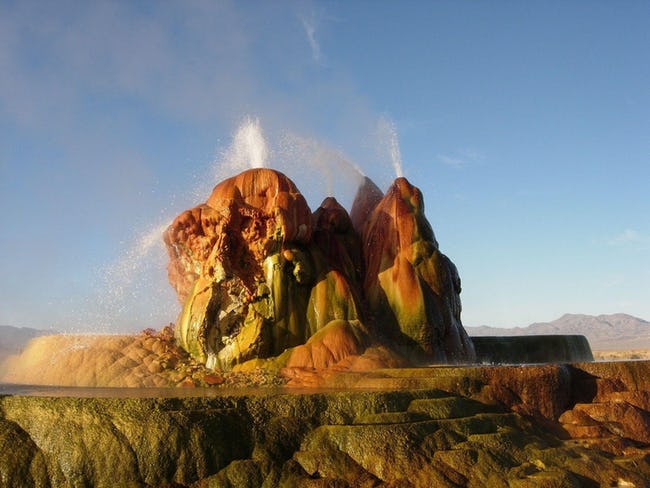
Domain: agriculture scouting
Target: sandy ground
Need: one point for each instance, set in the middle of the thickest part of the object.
(620, 355)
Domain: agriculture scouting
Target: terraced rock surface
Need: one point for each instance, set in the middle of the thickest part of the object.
(445, 427)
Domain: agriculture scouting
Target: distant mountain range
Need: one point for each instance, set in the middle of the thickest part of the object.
(604, 332)
(14, 339)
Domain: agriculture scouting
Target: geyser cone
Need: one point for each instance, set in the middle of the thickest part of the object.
(412, 288)
(366, 199)
(258, 282)
(259, 276)
(245, 218)
(334, 234)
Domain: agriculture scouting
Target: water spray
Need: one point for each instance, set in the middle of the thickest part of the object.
(248, 147)
(388, 133)
(300, 153)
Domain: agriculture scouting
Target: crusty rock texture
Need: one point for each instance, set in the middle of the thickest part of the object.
(575, 425)
(252, 280)
(411, 287)
(258, 274)
(367, 198)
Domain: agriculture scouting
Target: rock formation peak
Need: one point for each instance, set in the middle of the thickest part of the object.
(367, 197)
(262, 278)
(271, 196)
(409, 283)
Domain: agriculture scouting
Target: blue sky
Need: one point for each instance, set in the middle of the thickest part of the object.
(525, 124)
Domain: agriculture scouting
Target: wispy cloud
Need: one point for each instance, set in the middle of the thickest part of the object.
(168, 60)
(95, 93)
(310, 24)
(461, 158)
(453, 162)
(629, 237)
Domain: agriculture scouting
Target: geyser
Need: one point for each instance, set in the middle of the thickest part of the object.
(249, 145)
(266, 284)
(388, 136)
(262, 278)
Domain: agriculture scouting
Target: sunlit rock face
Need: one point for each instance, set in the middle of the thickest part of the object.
(252, 280)
(412, 288)
(259, 275)
(245, 219)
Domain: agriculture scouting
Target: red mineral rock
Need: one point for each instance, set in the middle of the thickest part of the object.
(335, 236)
(367, 198)
(270, 198)
(252, 280)
(258, 274)
(411, 287)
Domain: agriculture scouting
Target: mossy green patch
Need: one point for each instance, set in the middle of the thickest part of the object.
(21, 463)
(273, 438)
(447, 408)
(244, 473)
(390, 418)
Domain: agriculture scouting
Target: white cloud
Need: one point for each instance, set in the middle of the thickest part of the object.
(628, 237)
(309, 24)
(453, 162)
(461, 158)
(187, 62)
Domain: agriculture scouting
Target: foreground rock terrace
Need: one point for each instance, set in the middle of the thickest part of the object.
(555, 425)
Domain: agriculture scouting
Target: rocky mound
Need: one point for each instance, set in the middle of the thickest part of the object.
(147, 360)
(252, 280)
(258, 274)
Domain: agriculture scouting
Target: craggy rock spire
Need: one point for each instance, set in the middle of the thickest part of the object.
(412, 288)
(261, 277)
(367, 198)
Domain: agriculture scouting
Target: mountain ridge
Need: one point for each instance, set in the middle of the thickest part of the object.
(14, 339)
(617, 331)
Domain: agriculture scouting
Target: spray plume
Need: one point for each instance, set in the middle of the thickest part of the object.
(388, 134)
(249, 146)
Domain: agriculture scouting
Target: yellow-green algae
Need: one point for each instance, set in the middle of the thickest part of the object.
(419, 437)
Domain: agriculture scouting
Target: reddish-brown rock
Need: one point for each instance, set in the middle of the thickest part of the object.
(252, 278)
(411, 287)
(246, 218)
(612, 401)
(367, 198)
(327, 347)
(258, 274)
(542, 391)
(189, 240)
(336, 238)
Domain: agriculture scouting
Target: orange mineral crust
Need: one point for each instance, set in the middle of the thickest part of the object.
(259, 274)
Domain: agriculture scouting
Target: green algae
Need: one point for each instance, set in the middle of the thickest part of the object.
(340, 438)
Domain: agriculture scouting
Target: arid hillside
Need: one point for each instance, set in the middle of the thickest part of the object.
(616, 332)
